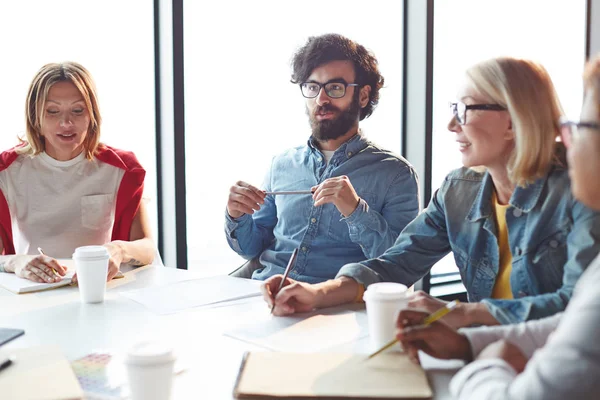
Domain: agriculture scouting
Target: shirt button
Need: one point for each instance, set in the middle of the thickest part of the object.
(517, 213)
(313, 220)
(304, 249)
(553, 244)
(349, 154)
(518, 251)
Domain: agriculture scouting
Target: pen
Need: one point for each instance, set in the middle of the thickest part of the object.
(43, 254)
(428, 320)
(291, 192)
(285, 274)
(6, 363)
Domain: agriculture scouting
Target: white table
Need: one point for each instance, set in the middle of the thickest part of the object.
(212, 359)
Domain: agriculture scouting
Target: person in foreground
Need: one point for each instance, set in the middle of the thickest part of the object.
(363, 195)
(519, 238)
(61, 188)
(552, 358)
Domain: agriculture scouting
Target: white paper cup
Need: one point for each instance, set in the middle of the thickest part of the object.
(384, 301)
(91, 264)
(150, 371)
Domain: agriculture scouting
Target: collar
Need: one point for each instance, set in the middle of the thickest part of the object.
(523, 198)
(349, 148)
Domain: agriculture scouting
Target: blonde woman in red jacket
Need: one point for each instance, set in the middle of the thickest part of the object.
(61, 188)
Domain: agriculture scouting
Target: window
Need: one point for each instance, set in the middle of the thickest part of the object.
(232, 133)
(114, 40)
(469, 31)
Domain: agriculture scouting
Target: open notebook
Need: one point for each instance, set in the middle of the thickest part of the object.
(19, 285)
(391, 375)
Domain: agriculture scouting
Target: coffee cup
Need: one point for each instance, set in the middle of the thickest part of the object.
(91, 265)
(384, 301)
(150, 370)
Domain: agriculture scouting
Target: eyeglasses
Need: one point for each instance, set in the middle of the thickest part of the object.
(459, 109)
(569, 130)
(335, 90)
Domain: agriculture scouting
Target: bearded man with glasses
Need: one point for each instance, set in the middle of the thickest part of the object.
(355, 197)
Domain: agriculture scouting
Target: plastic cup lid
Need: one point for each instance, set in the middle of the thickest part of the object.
(91, 252)
(386, 291)
(149, 352)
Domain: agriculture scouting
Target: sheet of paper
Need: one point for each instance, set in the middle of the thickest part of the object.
(20, 285)
(39, 373)
(312, 332)
(183, 295)
(331, 375)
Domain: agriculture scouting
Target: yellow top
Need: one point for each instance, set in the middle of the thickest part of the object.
(502, 288)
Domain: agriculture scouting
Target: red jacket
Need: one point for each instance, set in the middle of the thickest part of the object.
(129, 195)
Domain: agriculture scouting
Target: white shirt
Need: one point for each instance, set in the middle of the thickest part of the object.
(60, 205)
(566, 364)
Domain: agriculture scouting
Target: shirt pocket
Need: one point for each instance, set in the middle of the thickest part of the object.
(549, 260)
(97, 211)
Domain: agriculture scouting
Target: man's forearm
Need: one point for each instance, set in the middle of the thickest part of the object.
(338, 291)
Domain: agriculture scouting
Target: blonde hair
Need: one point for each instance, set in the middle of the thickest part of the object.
(591, 79)
(526, 90)
(46, 77)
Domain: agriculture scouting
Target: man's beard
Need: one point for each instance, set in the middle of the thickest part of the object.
(331, 129)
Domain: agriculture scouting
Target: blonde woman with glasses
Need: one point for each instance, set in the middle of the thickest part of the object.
(519, 238)
(566, 363)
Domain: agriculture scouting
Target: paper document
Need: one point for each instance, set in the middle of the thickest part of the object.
(330, 376)
(308, 332)
(183, 295)
(20, 285)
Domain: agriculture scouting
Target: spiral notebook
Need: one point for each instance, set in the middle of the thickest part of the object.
(20, 285)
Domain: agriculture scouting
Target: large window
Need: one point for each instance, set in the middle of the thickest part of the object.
(113, 39)
(241, 108)
(469, 31)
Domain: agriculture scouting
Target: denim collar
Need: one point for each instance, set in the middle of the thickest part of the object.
(523, 198)
(348, 149)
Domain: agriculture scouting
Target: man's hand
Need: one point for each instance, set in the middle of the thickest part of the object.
(36, 268)
(340, 192)
(437, 339)
(506, 351)
(464, 314)
(244, 199)
(294, 297)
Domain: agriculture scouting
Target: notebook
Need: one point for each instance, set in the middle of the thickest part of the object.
(330, 376)
(20, 285)
(39, 373)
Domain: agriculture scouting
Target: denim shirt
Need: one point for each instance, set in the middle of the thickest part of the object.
(386, 184)
(552, 239)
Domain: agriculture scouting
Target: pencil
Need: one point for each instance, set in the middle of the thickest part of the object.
(39, 249)
(428, 320)
(285, 274)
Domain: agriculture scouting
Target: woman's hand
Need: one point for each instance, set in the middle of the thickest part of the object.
(36, 268)
(464, 314)
(116, 258)
(437, 339)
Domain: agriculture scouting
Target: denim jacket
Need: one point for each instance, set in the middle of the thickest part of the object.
(552, 239)
(385, 182)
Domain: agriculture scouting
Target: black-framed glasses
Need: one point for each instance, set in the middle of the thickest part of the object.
(569, 130)
(333, 89)
(459, 110)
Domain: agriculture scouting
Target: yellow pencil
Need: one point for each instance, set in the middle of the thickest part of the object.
(428, 320)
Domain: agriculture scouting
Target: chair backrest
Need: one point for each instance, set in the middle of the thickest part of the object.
(246, 269)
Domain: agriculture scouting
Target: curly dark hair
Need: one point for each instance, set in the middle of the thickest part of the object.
(323, 49)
